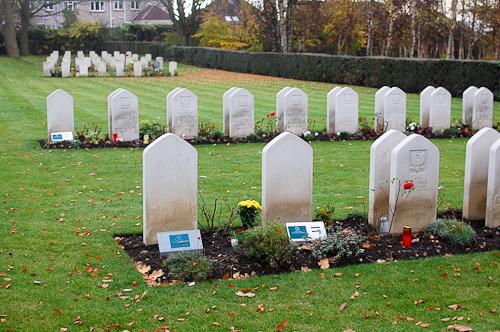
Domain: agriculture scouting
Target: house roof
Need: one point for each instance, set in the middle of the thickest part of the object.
(152, 13)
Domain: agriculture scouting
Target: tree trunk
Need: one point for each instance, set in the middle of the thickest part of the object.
(450, 54)
(25, 13)
(413, 32)
(391, 27)
(8, 29)
(369, 39)
(472, 37)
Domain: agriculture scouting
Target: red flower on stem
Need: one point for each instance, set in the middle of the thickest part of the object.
(408, 185)
(273, 113)
(268, 115)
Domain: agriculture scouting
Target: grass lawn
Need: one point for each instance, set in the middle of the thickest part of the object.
(61, 208)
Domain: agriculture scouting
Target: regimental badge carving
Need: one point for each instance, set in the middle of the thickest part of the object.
(441, 98)
(348, 98)
(242, 101)
(185, 101)
(418, 161)
(296, 100)
(396, 99)
(125, 102)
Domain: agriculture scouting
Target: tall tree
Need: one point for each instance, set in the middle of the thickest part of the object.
(8, 27)
(185, 17)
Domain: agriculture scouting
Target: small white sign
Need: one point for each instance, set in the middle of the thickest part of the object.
(300, 232)
(62, 136)
(177, 241)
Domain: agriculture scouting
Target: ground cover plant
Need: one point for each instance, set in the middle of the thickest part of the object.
(61, 268)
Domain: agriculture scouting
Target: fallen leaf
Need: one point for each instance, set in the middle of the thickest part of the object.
(342, 306)
(338, 274)
(280, 327)
(305, 269)
(458, 327)
(57, 310)
(324, 264)
(241, 294)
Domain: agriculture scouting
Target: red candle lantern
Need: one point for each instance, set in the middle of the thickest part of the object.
(115, 137)
(407, 236)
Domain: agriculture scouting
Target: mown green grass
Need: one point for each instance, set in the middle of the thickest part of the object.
(100, 191)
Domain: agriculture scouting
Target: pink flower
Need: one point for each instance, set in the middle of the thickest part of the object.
(408, 185)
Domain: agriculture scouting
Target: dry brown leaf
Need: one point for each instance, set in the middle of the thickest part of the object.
(342, 306)
(241, 294)
(338, 274)
(460, 328)
(324, 264)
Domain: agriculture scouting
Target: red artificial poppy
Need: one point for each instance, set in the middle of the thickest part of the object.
(273, 113)
(408, 185)
(268, 115)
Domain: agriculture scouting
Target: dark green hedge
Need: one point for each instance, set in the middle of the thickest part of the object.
(410, 75)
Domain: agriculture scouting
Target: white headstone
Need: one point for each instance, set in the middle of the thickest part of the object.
(225, 109)
(172, 68)
(80, 54)
(346, 111)
(125, 116)
(112, 63)
(101, 68)
(84, 70)
(379, 108)
(144, 62)
(170, 187)
(287, 183)
(91, 54)
(135, 57)
(159, 59)
(476, 173)
(241, 113)
(395, 109)
(415, 159)
(280, 108)
(60, 115)
(295, 114)
(119, 69)
(148, 57)
(380, 169)
(128, 53)
(137, 69)
(467, 104)
(170, 108)
(78, 63)
(65, 69)
(440, 109)
(104, 54)
(67, 53)
(116, 53)
(47, 66)
(492, 219)
(120, 57)
(482, 110)
(110, 114)
(185, 114)
(425, 105)
(331, 98)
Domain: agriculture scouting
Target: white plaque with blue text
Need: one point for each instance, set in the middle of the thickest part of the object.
(174, 242)
(305, 231)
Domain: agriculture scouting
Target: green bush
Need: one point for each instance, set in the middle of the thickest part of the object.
(188, 266)
(152, 128)
(324, 213)
(339, 244)
(411, 75)
(454, 231)
(252, 137)
(217, 134)
(92, 134)
(267, 243)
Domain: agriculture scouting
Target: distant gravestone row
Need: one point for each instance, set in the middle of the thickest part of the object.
(118, 63)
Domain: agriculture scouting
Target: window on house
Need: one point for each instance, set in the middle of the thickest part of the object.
(71, 5)
(118, 5)
(49, 6)
(97, 6)
(134, 5)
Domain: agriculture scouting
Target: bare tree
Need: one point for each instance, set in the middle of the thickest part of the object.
(186, 18)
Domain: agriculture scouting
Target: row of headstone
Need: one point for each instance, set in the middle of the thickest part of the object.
(395, 159)
(477, 107)
(117, 62)
(482, 178)
(170, 184)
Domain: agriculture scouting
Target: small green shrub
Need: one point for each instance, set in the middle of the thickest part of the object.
(339, 244)
(345, 135)
(268, 244)
(188, 266)
(324, 213)
(152, 128)
(217, 134)
(309, 137)
(200, 138)
(454, 231)
(252, 137)
(205, 128)
(92, 134)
